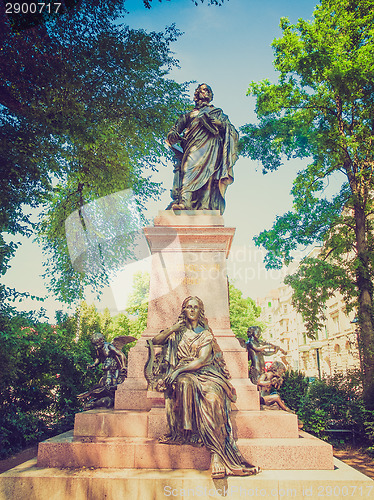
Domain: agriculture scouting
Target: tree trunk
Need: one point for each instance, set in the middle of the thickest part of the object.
(365, 307)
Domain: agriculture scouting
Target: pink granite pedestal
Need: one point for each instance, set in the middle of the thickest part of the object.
(189, 252)
(115, 454)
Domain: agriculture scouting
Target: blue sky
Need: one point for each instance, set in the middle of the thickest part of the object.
(226, 47)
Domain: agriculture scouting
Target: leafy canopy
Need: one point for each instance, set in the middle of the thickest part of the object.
(86, 103)
(243, 312)
(322, 109)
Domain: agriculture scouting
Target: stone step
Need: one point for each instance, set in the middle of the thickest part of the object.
(28, 482)
(132, 394)
(152, 424)
(305, 452)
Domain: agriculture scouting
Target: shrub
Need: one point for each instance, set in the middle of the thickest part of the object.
(331, 403)
(294, 388)
(43, 370)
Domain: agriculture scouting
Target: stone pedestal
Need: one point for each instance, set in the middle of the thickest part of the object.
(28, 482)
(189, 251)
(115, 453)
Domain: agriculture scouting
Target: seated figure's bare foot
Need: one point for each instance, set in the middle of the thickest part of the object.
(218, 468)
(244, 471)
(170, 439)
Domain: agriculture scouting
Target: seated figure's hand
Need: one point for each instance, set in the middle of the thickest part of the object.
(169, 379)
(216, 122)
(177, 326)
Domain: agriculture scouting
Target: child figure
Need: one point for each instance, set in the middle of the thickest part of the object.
(112, 359)
(113, 362)
(257, 350)
(269, 382)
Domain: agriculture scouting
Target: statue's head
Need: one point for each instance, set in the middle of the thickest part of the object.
(254, 332)
(203, 94)
(194, 306)
(278, 368)
(97, 339)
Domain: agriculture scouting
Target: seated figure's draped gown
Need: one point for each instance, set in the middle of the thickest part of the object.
(209, 154)
(200, 401)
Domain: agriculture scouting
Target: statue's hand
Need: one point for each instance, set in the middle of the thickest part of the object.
(177, 326)
(216, 122)
(171, 377)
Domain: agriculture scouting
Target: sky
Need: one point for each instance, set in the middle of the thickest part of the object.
(226, 47)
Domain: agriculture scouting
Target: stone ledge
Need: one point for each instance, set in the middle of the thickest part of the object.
(28, 482)
(188, 218)
(142, 453)
(97, 424)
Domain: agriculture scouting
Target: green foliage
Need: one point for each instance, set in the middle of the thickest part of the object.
(332, 403)
(43, 370)
(137, 309)
(314, 420)
(294, 389)
(369, 429)
(339, 400)
(44, 366)
(86, 103)
(243, 312)
(322, 109)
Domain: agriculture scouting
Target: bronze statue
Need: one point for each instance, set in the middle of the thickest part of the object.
(198, 392)
(256, 352)
(113, 362)
(203, 167)
(269, 382)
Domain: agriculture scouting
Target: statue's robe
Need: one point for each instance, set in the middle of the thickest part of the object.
(200, 401)
(209, 154)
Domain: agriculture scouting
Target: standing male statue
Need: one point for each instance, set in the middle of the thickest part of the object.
(209, 144)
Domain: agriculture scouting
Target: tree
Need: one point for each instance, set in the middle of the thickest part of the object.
(243, 312)
(138, 304)
(86, 103)
(322, 108)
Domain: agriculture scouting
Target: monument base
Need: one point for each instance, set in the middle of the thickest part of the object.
(29, 482)
(306, 452)
(114, 454)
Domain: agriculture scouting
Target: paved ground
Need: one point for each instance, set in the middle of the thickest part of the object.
(18, 458)
(355, 457)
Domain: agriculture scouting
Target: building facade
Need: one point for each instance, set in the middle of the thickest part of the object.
(335, 348)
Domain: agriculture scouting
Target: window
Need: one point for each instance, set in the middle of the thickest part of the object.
(335, 320)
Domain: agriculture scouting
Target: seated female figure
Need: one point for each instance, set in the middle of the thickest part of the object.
(198, 392)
